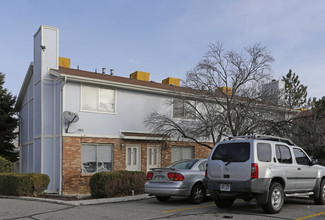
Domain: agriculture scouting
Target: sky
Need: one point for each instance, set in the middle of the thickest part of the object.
(166, 38)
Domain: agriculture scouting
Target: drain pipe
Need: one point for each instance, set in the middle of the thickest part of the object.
(61, 138)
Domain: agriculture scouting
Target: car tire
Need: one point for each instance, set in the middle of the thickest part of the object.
(275, 199)
(321, 197)
(197, 194)
(162, 198)
(225, 202)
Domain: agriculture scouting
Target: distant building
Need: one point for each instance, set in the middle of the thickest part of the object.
(274, 92)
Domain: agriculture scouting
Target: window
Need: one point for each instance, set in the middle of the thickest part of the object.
(97, 99)
(301, 157)
(182, 165)
(264, 152)
(203, 166)
(181, 152)
(233, 152)
(183, 109)
(283, 154)
(96, 158)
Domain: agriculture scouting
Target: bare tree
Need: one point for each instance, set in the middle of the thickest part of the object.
(222, 96)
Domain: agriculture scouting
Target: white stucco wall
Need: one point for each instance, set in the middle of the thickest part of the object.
(132, 107)
(39, 111)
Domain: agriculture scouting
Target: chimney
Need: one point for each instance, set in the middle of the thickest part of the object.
(64, 62)
(112, 72)
(103, 70)
(226, 90)
(171, 81)
(139, 75)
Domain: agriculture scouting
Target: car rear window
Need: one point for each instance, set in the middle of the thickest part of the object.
(232, 152)
(182, 164)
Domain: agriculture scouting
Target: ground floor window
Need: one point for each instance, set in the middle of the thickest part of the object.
(96, 158)
(182, 152)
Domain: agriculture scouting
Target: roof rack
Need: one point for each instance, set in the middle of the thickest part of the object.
(264, 137)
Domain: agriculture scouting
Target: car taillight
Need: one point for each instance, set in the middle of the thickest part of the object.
(175, 176)
(254, 172)
(149, 175)
(206, 170)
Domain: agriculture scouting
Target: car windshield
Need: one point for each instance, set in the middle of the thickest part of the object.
(232, 152)
(187, 164)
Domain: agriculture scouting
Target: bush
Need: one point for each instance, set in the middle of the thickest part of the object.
(20, 184)
(5, 166)
(117, 183)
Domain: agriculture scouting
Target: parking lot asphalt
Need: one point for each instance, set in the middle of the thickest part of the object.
(146, 207)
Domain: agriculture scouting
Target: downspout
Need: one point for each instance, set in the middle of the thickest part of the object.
(61, 135)
(19, 141)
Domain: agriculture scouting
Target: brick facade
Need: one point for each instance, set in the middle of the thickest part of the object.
(74, 182)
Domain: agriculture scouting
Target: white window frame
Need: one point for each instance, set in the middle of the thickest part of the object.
(137, 158)
(98, 169)
(97, 87)
(153, 156)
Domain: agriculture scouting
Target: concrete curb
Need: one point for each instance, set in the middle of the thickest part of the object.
(83, 202)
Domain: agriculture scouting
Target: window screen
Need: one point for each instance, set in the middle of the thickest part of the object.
(97, 99)
(96, 158)
(184, 109)
(181, 152)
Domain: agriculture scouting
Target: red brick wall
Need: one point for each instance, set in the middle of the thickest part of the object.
(73, 182)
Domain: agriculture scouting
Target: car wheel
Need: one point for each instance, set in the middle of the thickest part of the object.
(197, 194)
(275, 199)
(225, 202)
(162, 198)
(321, 197)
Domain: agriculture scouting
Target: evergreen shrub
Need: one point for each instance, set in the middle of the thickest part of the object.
(117, 183)
(5, 166)
(23, 184)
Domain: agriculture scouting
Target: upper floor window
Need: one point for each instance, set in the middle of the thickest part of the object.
(184, 109)
(97, 99)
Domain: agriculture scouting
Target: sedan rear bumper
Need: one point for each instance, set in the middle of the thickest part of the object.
(167, 189)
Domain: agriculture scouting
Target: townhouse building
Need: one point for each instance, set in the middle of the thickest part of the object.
(74, 123)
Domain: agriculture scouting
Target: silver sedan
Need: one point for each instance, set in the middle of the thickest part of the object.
(181, 178)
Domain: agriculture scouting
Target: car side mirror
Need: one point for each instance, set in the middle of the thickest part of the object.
(313, 162)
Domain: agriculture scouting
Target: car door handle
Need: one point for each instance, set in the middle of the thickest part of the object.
(299, 168)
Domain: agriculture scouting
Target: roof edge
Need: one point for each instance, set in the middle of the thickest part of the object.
(24, 86)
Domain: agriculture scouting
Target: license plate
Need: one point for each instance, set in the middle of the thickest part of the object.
(159, 178)
(225, 187)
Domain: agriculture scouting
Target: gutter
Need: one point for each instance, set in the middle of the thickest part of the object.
(61, 135)
(64, 80)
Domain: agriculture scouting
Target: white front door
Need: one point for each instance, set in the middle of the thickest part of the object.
(133, 157)
(153, 157)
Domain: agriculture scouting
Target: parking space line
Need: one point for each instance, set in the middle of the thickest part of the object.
(310, 216)
(197, 207)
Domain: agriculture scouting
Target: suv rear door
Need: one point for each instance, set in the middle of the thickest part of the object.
(230, 161)
(284, 157)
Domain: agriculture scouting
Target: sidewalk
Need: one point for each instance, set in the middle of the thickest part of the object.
(83, 202)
